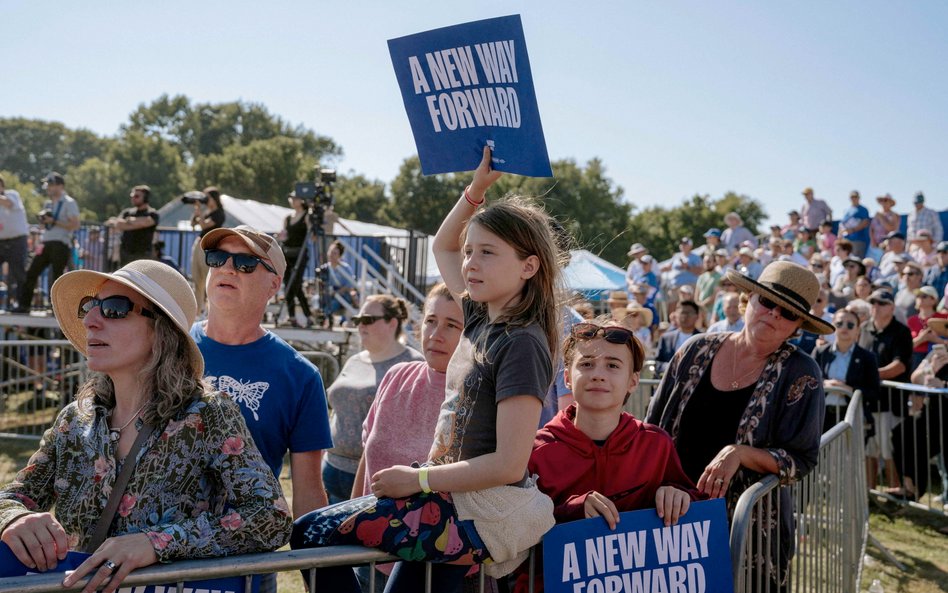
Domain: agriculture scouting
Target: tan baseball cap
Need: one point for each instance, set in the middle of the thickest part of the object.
(261, 244)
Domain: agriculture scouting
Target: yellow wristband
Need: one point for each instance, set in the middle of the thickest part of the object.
(423, 480)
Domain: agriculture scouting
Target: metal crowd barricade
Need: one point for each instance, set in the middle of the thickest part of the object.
(38, 378)
(638, 401)
(215, 568)
(831, 515)
(916, 417)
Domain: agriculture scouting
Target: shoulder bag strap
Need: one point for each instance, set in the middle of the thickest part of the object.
(118, 489)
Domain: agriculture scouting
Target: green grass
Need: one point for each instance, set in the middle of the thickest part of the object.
(910, 534)
(913, 537)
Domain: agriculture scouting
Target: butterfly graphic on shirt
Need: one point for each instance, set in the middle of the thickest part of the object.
(249, 393)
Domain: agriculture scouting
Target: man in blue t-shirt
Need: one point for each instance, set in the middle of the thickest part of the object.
(855, 225)
(280, 393)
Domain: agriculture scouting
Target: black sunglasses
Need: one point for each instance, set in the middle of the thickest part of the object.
(769, 304)
(368, 319)
(611, 333)
(846, 324)
(113, 307)
(243, 262)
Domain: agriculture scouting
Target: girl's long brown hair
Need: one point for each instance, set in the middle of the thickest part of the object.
(526, 227)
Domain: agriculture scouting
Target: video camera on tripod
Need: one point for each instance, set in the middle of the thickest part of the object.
(317, 195)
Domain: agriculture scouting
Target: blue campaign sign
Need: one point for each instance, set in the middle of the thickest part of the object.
(11, 567)
(641, 555)
(468, 86)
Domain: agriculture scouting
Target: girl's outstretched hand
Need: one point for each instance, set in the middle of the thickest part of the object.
(397, 481)
(484, 177)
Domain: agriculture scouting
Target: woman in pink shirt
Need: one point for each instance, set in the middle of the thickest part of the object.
(401, 422)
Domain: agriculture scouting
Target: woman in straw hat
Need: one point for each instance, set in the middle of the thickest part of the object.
(198, 486)
(743, 405)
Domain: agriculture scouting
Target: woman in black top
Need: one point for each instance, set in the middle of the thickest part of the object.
(208, 218)
(743, 405)
(295, 231)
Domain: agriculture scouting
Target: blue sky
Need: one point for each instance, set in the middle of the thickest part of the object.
(676, 98)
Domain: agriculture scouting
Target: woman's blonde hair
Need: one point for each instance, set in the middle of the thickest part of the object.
(168, 375)
(526, 227)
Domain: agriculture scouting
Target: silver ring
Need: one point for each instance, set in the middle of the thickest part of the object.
(110, 565)
(719, 481)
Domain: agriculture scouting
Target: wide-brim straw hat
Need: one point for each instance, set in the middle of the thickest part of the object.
(938, 325)
(646, 313)
(163, 286)
(791, 286)
(618, 296)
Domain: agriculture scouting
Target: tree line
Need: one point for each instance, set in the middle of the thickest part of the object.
(175, 145)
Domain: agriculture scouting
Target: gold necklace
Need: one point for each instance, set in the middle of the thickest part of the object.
(132, 419)
(735, 383)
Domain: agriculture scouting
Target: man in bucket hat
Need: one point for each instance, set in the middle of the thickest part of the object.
(280, 393)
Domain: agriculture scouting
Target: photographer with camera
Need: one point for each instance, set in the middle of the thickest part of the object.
(295, 232)
(59, 218)
(208, 215)
(137, 225)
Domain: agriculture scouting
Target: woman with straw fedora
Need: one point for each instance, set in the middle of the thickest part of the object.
(742, 405)
(145, 465)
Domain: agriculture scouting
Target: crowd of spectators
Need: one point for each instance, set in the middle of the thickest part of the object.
(862, 304)
(884, 278)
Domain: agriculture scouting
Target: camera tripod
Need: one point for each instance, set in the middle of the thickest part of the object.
(316, 243)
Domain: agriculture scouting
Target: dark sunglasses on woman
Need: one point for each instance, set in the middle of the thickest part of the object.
(769, 304)
(846, 324)
(243, 262)
(113, 307)
(368, 319)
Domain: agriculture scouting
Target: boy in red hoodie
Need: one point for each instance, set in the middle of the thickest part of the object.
(595, 460)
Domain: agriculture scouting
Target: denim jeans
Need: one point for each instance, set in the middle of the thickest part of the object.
(338, 483)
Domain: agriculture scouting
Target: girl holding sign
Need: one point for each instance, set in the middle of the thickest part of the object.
(500, 264)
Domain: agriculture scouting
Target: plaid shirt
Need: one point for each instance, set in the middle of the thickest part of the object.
(926, 218)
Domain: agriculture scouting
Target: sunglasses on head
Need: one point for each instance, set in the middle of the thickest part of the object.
(769, 304)
(610, 333)
(243, 262)
(368, 319)
(113, 307)
(846, 324)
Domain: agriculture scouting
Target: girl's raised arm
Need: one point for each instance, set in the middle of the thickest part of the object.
(447, 246)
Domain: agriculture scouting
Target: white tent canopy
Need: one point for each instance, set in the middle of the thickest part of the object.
(269, 219)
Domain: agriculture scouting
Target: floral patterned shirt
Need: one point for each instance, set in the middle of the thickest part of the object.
(200, 487)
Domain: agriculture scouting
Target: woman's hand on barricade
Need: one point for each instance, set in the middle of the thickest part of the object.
(716, 478)
(115, 558)
(397, 481)
(37, 540)
(598, 505)
(671, 504)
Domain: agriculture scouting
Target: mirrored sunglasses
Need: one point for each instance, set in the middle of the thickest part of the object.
(243, 262)
(769, 304)
(368, 319)
(113, 307)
